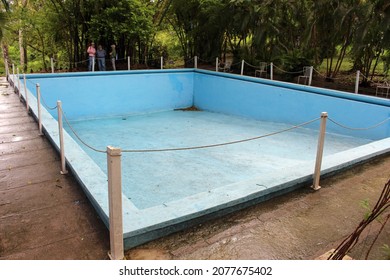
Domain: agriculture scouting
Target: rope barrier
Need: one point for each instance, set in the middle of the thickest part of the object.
(220, 144)
(189, 60)
(361, 74)
(187, 148)
(256, 67)
(31, 82)
(237, 63)
(45, 104)
(207, 61)
(318, 72)
(42, 98)
(79, 138)
(353, 128)
(288, 71)
(324, 76)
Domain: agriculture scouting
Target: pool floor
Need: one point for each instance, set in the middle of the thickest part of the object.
(152, 179)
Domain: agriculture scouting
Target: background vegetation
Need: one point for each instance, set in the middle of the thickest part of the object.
(290, 33)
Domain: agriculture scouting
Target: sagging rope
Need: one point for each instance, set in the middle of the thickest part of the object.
(45, 104)
(42, 98)
(324, 76)
(358, 128)
(220, 144)
(297, 72)
(256, 67)
(188, 148)
(79, 138)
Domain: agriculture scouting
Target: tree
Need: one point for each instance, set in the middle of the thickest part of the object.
(373, 37)
(129, 30)
(291, 33)
(333, 28)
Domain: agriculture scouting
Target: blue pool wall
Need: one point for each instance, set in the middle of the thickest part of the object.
(107, 94)
(290, 103)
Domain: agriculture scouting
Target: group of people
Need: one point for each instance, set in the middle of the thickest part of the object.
(100, 55)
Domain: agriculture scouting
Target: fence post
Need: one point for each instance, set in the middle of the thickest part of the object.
(115, 202)
(216, 64)
(39, 108)
(320, 150)
(196, 62)
(357, 81)
(18, 77)
(242, 67)
(25, 92)
(162, 63)
(93, 64)
(128, 63)
(271, 71)
(310, 75)
(146, 61)
(61, 135)
(52, 64)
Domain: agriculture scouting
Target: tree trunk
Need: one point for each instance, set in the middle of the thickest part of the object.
(21, 49)
(22, 45)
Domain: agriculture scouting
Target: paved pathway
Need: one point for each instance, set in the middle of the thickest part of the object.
(43, 215)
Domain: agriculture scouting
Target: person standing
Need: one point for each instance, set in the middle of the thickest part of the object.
(101, 58)
(91, 55)
(113, 56)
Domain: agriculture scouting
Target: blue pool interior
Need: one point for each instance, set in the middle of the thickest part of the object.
(173, 175)
(165, 191)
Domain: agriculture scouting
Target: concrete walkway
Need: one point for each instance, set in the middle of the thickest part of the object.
(43, 215)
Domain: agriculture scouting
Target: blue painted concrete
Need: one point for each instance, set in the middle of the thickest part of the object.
(170, 176)
(101, 95)
(290, 103)
(167, 191)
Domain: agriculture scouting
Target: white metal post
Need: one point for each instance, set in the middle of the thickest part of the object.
(61, 135)
(320, 150)
(39, 108)
(93, 64)
(216, 64)
(242, 67)
(25, 91)
(357, 81)
(162, 63)
(271, 71)
(52, 64)
(18, 77)
(128, 63)
(196, 61)
(115, 202)
(311, 75)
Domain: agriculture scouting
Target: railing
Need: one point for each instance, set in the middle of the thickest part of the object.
(114, 155)
(161, 64)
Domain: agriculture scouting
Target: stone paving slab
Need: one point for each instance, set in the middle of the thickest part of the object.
(16, 121)
(19, 136)
(18, 148)
(10, 161)
(43, 215)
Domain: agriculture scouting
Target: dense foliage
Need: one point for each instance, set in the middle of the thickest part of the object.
(292, 33)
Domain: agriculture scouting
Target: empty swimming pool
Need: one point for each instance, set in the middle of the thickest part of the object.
(140, 111)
